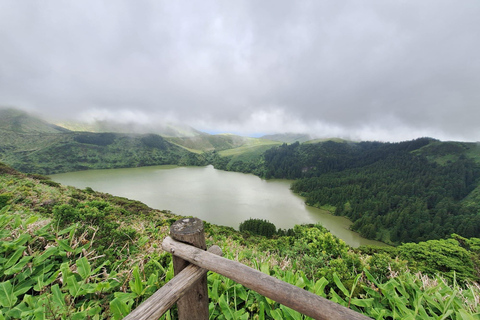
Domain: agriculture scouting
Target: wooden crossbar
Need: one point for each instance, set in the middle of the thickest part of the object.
(289, 295)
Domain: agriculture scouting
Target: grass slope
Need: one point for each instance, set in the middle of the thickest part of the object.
(48, 153)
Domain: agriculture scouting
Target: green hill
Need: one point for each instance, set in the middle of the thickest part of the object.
(73, 151)
(19, 121)
(33, 145)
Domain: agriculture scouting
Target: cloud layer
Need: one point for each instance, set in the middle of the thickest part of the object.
(363, 70)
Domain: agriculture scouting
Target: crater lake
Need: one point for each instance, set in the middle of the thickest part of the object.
(219, 197)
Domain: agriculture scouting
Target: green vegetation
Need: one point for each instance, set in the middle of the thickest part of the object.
(79, 254)
(393, 192)
(74, 254)
(259, 227)
(73, 151)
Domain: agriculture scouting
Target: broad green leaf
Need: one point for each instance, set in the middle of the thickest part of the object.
(22, 239)
(5, 233)
(291, 313)
(58, 296)
(17, 221)
(241, 292)
(83, 268)
(136, 285)
(125, 296)
(276, 314)
(64, 245)
(336, 298)
(119, 309)
(300, 283)
(79, 315)
(30, 220)
(463, 315)
(340, 285)
(23, 286)
(142, 241)
(364, 303)
(65, 269)
(226, 311)
(265, 268)
(14, 257)
(240, 315)
(214, 291)
(7, 297)
(73, 286)
(45, 255)
(18, 311)
(261, 311)
(19, 266)
(100, 286)
(319, 287)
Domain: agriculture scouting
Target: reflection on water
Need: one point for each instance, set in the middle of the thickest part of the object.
(219, 197)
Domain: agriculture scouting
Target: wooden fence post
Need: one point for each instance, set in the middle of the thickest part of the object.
(194, 304)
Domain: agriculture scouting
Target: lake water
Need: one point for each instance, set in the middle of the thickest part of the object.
(219, 197)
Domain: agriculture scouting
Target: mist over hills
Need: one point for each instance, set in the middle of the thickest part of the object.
(160, 128)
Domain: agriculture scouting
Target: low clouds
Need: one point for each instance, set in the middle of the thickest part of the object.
(361, 70)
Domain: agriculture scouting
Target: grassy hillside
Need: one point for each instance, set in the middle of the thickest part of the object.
(48, 153)
(79, 254)
(221, 142)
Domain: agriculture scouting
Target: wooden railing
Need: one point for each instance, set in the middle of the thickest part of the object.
(189, 286)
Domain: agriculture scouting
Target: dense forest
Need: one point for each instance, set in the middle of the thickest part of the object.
(67, 253)
(394, 192)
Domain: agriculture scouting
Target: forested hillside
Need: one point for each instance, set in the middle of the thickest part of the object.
(393, 192)
(67, 253)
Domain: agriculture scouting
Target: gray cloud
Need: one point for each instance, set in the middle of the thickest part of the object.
(364, 70)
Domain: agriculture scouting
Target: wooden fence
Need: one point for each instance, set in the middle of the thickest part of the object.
(189, 286)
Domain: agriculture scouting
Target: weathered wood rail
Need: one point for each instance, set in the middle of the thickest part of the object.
(189, 286)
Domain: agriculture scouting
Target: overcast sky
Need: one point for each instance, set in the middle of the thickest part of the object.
(369, 70)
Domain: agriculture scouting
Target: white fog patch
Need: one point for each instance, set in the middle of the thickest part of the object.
(126, 116)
